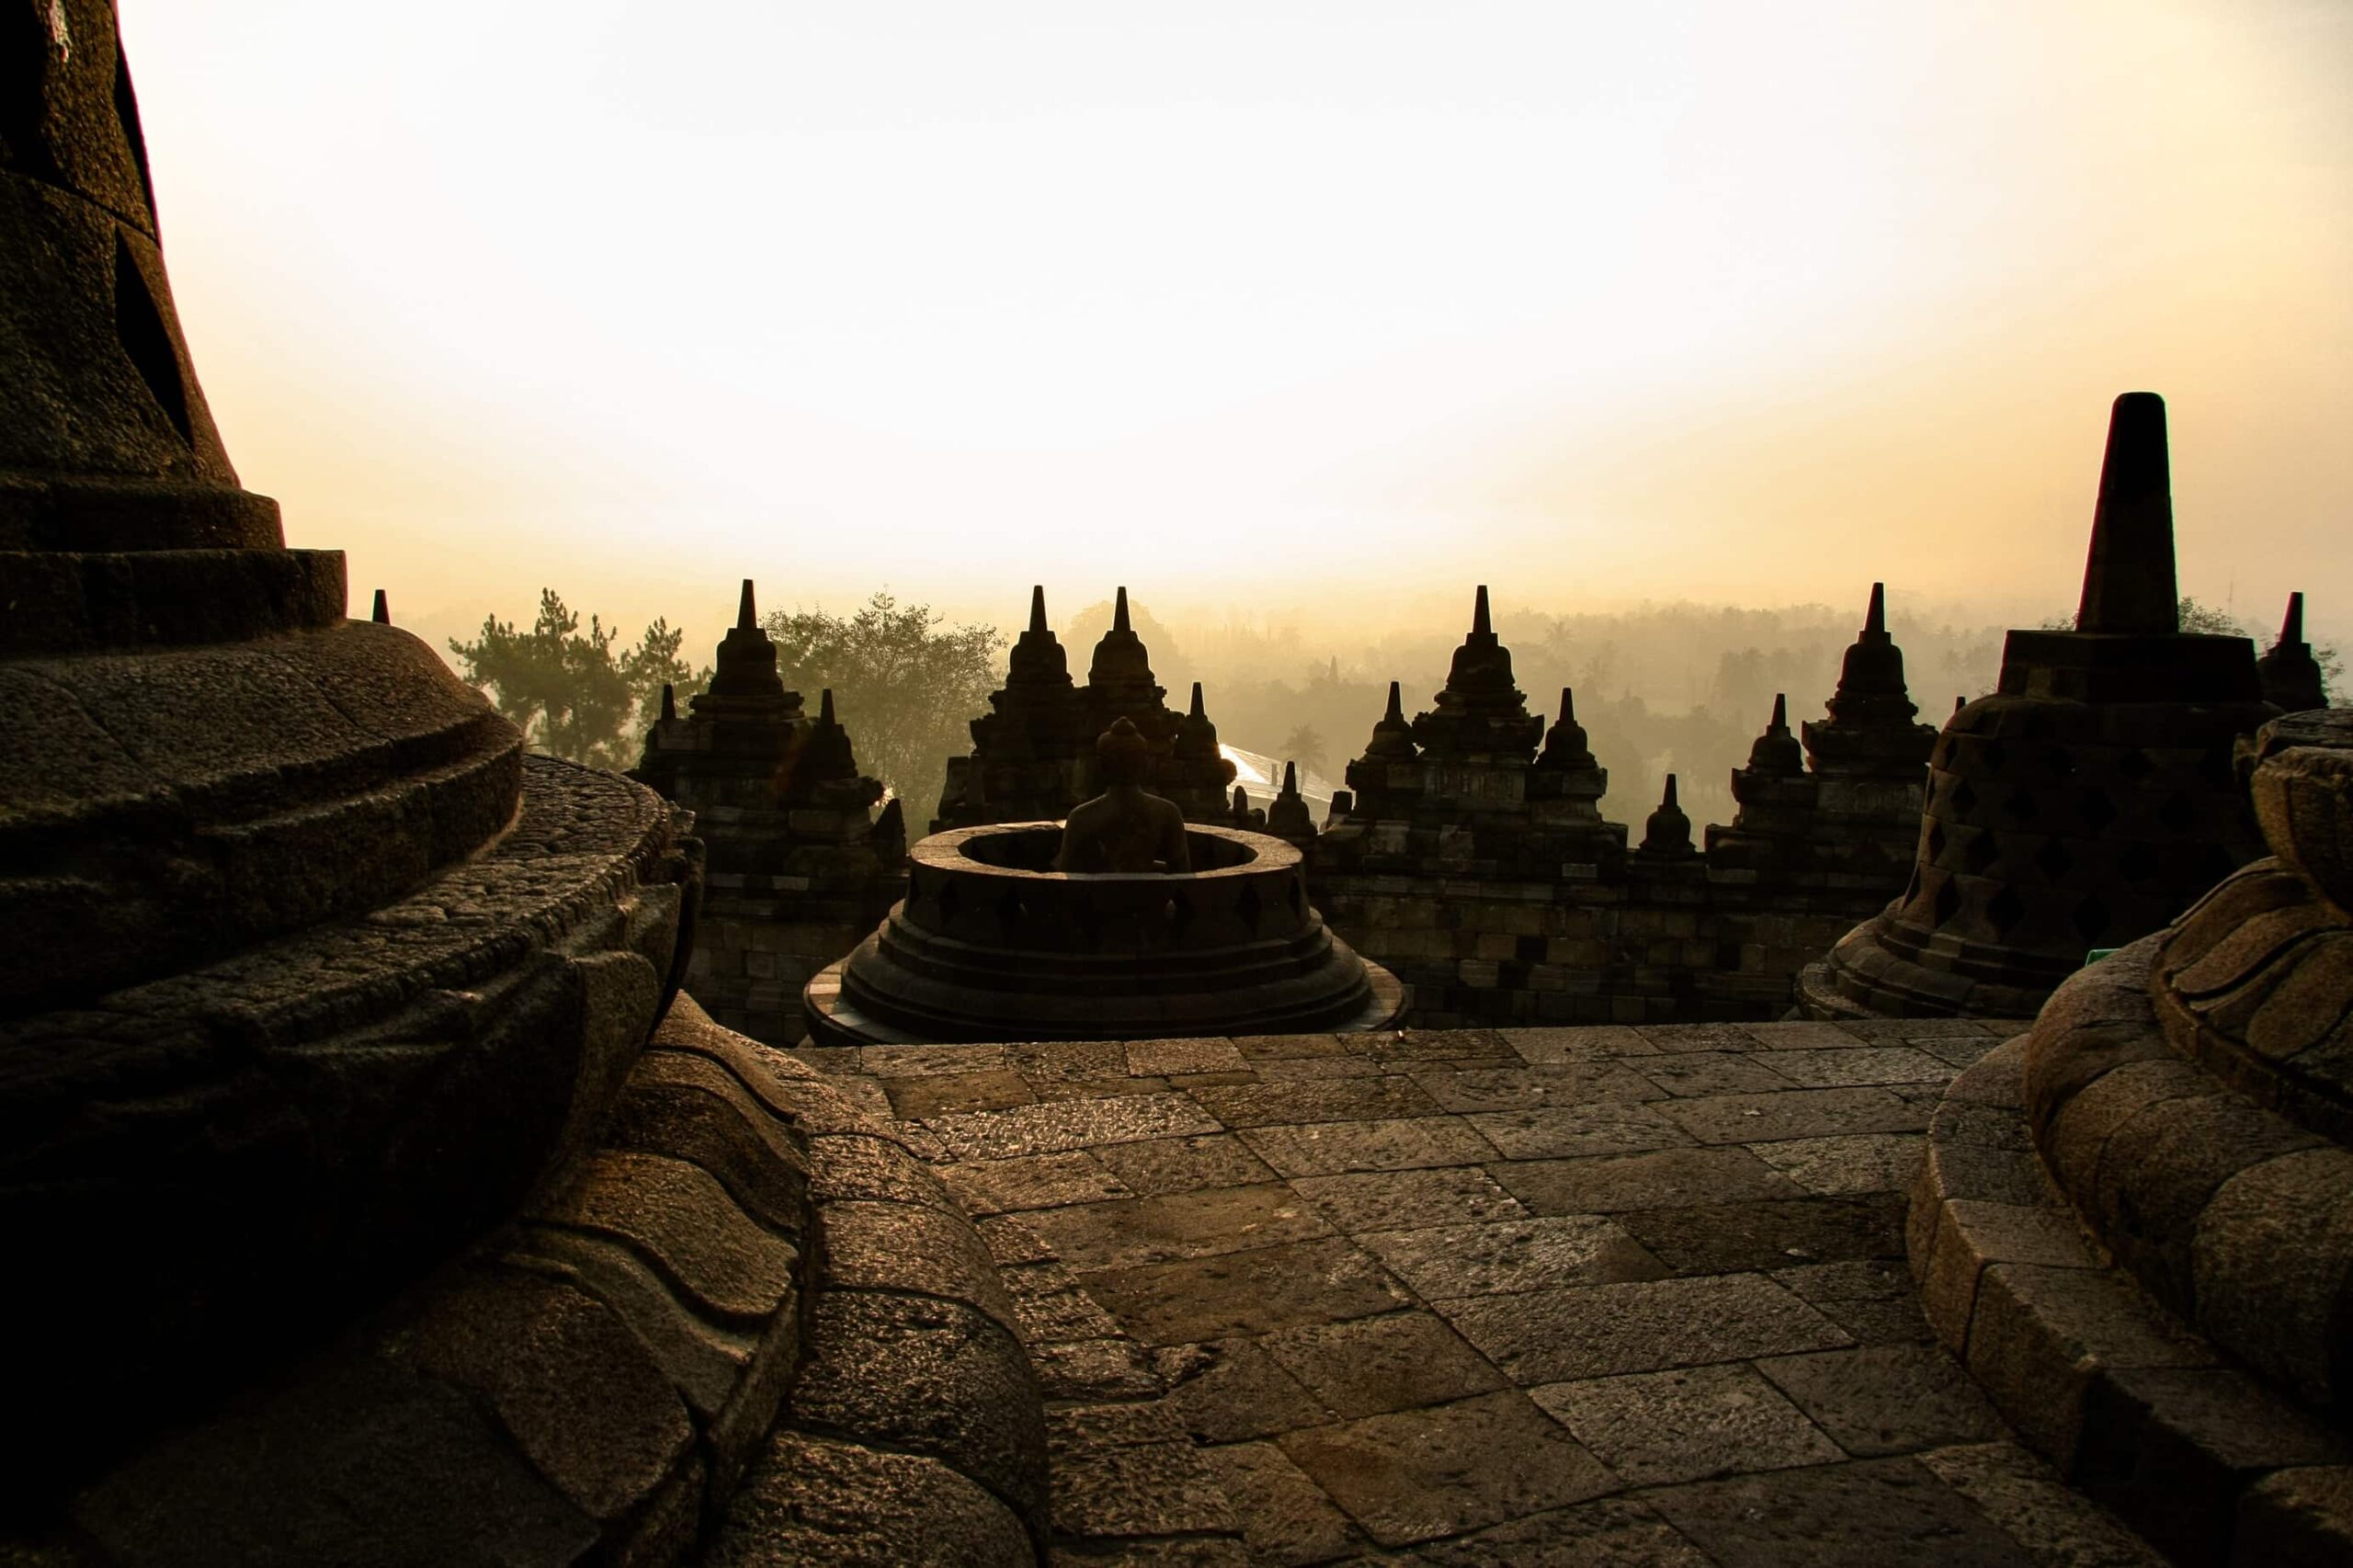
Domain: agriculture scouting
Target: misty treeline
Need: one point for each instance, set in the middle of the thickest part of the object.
(906, 682)
(1676, 687)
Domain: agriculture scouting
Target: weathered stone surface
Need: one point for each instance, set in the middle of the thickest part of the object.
(1181, 1165)
(1329, 1148)
(1432, 1473)
(2026, 1498)
(1242, 1392)
(1246, 1292)
(1371, 1366)
(1443, 1262)
(1068, 1124)
(1123, 1232)
(1286, 1518)
(1560, 1335)
(1865, 1514)
(1886, 1399)
(1796, 1113)
(1611, 1532)
(813, 1500)
(1391, 1200)
(1615, 1184)
(1685, 1424)
(1033, 1181)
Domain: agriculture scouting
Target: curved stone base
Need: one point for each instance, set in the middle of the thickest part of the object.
(751, 1329)
(2131, 1405)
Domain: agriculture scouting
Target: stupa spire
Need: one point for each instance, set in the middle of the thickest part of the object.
(2129, 585)
(1120, 611)
(1875, 619)
(382, 614)
(1480, 625)
(746, 617)
(1038, 610)
(1197, 712)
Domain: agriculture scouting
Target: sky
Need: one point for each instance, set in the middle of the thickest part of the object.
(1312, 311)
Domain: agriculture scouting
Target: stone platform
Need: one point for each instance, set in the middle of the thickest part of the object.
(1608, 1295)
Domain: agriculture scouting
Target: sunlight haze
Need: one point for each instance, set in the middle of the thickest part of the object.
(1316, 310)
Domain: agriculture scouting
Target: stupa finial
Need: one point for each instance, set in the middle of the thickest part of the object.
(2128, 585)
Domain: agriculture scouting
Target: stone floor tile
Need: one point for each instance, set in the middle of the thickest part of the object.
(1481, 1259)
(1092, 1369)
(1248, 1292)
(1037, 1181)
(1137, 1489)
(2028, 1501)
(1801, 1036)
(1314, 1099)
(1067, 1124)
(933, 1094)
(1272, 1069)
(1687, 1424)
(1695, 1036)
(1865, 1514)
(1126, 1232)
(1726, 1238)
(1694, 1073)
(1957, 1052)
(1049, 1304)
(1240, 1392)
(1851, 1280)
(1420, 1474)
(1397, 1200)
(916, 1061)
(1599, 1042)
(1331, 1147)
(866, 1096)
(1435, 1045)
(1886, 1399)
(1527, 1088)
(1263, 1047)
(1593, 1331)
(1864, 1064)
(1181, 1165)
(1609, 1533)
(1855, 1161)
(1286, 1518)
(1609, 1184)
(1566, 1131)
(1899, 1321)
(1159, 1058)
(1370, 1366)
(1795, 1113)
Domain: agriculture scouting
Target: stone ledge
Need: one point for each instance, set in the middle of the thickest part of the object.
(2129, 1404)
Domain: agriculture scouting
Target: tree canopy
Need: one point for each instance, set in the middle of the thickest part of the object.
(906, 683)
(568, 690)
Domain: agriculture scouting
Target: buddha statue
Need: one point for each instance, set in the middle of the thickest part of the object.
(1123, 829)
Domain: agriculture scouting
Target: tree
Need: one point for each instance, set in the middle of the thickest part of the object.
(1305, 747)
(905, 684)
(567, 690)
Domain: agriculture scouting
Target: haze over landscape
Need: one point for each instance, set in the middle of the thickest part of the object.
(1312, 317)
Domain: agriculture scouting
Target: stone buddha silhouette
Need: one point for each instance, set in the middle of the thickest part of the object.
(1124, 828)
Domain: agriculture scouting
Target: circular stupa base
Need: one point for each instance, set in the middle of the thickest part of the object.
(989, 944)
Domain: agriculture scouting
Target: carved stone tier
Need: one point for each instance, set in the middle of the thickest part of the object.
(2081, 805)
(990, 944)
(2187, 1104)
(210, 1170)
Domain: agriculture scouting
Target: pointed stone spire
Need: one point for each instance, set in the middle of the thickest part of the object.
(2129, 585)
(1875, 618)
(1241, 807)
(1120, 611)
(1959, 701)
(1120, 675)
(828, 754)
(1288, 817)
(2290, 675)
(1668, 835)
(1480, 713)
(1196, 736)
(1871, 728)
(1566, 746)
(1037, 609)
(1776, 750)
(1392, 737)
(747, 664)
(826, 707)
(1037, 658)
(382, 614)
(669, 702)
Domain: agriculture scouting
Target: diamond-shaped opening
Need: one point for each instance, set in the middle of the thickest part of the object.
(2179, 814)
(2214, 769)
(2053, 858)
(1911, 888)
(2134, 766)
(2023, 806)
(2037, 725)
(1934, 843)
(2059, 762)
(2092, 916)
(1995, 756)
(1948, 902)
(2136, 863)
(1981, 853)
(2005, 909)
(2097, 810)
(1963, 799)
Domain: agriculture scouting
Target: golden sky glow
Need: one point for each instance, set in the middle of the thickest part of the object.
(1320, 308)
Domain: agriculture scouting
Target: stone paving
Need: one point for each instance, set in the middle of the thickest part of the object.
(1623, 1296)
